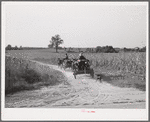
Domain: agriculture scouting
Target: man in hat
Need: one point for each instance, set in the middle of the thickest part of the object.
(66, 57)
(81, 59)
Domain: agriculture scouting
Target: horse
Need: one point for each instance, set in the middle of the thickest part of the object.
(67, 63)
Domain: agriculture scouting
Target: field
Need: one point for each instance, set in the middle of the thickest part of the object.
(119, 69)
(22, 74)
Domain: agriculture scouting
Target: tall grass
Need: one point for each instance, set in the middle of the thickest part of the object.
(124, 69)
(23, 74)
(134, 63)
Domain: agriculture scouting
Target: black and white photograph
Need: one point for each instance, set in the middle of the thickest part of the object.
(74, 60)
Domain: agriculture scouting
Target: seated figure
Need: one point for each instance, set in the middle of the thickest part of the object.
(66, 57)
(81, 59)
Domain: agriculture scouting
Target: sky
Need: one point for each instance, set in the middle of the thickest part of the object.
(79, 24)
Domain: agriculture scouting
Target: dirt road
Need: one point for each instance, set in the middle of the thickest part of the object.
(83, 92)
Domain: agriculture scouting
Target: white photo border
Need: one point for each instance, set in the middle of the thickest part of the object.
(43, 114)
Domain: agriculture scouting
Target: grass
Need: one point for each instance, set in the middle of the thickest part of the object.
(21, 74)
(131, 66)
(124, 81)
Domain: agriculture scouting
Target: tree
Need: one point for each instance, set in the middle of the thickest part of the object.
(20, 47)
(69, 49)
(79, 49)
(50, 46)
(124, 49)
(56, 41)
(137, 49)
(15, 48)
(8, 47)
(87, 49)
(98, 49)
(105, 49)
(143, 49)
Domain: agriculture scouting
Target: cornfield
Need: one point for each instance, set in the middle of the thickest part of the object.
(127, 65)
(21, 74)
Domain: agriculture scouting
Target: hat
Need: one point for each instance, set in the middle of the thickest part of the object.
(80, 54)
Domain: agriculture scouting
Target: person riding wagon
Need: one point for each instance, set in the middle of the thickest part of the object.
(66, 57)
(67, 63)
(81, 60)
(82, 66)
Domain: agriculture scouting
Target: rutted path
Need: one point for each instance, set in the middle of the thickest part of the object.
(83, 92)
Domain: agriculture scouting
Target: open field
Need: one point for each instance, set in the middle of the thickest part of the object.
(119, 69)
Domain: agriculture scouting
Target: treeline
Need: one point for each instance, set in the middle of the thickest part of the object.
(98, 49)
(110, 49)
(9, 47)
(104, 49)
(137, 49)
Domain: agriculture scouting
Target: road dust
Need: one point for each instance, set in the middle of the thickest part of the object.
(83, 92)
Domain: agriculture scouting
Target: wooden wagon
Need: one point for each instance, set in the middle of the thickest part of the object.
(85, 69)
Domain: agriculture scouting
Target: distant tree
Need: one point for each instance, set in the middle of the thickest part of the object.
(50, 46)
(9, 47)
(20, 48)
(106, 49)
(137, 49)
(15, 48)
(59, 47)
(143, 49)
(69, 49)
(87, 49)
(56, 41)
(98, 49)
(124, 49)
(110, 49)
(92, 50)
